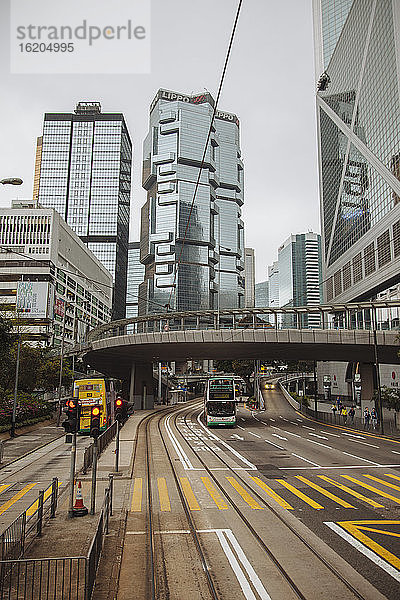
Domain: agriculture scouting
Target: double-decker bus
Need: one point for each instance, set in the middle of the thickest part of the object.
(92, 392)
(220, 402)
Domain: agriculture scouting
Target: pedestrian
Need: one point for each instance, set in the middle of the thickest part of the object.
(352, 412)
(334, 409)
(374, 418)
(344, 414)
(367, 417)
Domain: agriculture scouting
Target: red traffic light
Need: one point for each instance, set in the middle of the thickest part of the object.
(95, 411)
(118, 402)
(71, 404)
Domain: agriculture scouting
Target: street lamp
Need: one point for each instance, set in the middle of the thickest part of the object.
(11, 181)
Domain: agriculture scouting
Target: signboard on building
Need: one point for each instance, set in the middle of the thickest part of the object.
(59, 307)
(34, 299)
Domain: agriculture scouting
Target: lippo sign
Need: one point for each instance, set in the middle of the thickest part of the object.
(93, 36)
(197, 99)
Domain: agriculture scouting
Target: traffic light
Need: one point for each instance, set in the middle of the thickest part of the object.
(72, 411)
(120, 410)
(95, 413)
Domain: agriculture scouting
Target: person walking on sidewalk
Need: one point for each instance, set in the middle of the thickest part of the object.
(374, 418)
(352, 412)
(367, 417)
(344, 414)
(334, 409)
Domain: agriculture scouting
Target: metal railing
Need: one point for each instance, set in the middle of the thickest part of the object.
(64, 578)
(382, 315)
(102, 442)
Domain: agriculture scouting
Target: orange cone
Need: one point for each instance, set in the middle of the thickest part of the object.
(79, 508)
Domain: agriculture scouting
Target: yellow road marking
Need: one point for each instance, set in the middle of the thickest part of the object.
(297, 492)
(33, 508)
(214, 493)
(163, 494)
(392, 476)
(4, 487)
(391, 485)
(354, 528)
(189, 494)
(351, 491)
(272, 494)
(15, 498)
(372, 489)
(321, 490)
(245, 495)
(136, 505)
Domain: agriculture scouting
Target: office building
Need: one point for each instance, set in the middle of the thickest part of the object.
(262, 294)
(83, 170)
(273, 284)
(357, 57)
(134, 279)
(193, 255)
(62, 288)
(249, 277)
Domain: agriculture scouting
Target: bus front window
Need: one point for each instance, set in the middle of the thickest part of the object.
(220, 409)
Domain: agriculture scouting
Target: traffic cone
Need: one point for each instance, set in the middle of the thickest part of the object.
(79, 508)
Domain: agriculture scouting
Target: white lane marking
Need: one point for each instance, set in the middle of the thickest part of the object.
(290, 433)
(306, 427)
(329, 433)
(279, 436)
(241, 418)
(319, 444)
(255, 435)
(376, 559)
(321, 437)
(240, 427)
(238, 437)
(287, 420)
(240, 576)
(364, 443)
(360, 458)
(272, 420)
(183, 457)
(305, 459)
(359, 437)
(300, 420)
(239, 456)
(394, 452)
(294, 423)
(276, 445)
(375, 466)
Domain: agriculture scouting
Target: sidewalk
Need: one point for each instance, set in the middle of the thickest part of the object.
(28, 439)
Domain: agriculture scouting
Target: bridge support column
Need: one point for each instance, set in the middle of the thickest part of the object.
(367, 372)
(141, 391)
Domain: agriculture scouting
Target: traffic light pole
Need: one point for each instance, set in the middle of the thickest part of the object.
(94, 474)
(117, 449)
(72, 477)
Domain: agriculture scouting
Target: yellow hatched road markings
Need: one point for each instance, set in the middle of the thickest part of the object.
(5, 486)
(272, 494)
(387, 483)
(372, 489)
(351, 491)
(214, 493)
(392, 476)
(245, 495)
(165, 504)
(321, 490)
(33, 508)
(189, 494)
(355, 528)
(136, 505)
(15, 498)
(302, 496)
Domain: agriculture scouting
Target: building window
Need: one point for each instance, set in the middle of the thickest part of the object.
(383, 244)
(369, 259)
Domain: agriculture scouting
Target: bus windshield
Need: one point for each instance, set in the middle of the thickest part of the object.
(220, 409)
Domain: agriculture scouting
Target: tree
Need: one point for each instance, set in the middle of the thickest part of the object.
(243, 368)
(391, 397)
(5, 336)
(49, 373)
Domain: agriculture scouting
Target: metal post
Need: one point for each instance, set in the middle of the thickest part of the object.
(315, 391)
(378, 377)
(107, 511)
(116, 448)
(94, 473)
(72, 477)
(61, 367)
(40, 513)
(14, 409)
(111, 488)
(54, 491)
(159, 384)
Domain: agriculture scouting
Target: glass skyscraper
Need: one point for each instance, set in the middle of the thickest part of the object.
(135, 278)
(83, 170)
(210, 273)
(357, 48)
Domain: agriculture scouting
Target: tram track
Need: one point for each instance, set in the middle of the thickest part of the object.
(249, 526)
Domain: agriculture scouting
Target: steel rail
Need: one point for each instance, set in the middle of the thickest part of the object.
(261, 542)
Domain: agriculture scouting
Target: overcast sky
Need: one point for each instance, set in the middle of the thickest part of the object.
(269, 85)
